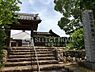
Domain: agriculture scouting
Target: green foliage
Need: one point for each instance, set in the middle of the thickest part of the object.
(78, 40)
(7, 11)
(71, 22)
(71, 10)
(7, 16)
(2, 43)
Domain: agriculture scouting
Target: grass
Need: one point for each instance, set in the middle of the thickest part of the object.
(77, 68)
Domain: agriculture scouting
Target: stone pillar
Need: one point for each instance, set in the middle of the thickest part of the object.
(89, 37)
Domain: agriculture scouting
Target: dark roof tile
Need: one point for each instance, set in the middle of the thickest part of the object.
(25, 16)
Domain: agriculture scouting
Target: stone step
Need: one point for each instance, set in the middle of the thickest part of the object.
(44, 48)
(48, 67)
(21, 47)
(22, 50)
(27, 68)
(46, 58)
(33, 47)
(24, 63)
(21, 63)
(30, 68)
(29, 50)
(22, 59)
(30, 55)
(20, 56)
(18, 59)
(42, 62)
(29, 59)
(21, 53)
(24, 53)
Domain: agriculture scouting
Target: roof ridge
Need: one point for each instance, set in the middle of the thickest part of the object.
(28, 14)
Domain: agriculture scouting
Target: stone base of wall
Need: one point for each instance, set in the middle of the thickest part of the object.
(89, 65)
(5, 56)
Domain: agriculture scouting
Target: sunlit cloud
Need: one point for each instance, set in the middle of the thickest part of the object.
(45, 9)
(46, 2)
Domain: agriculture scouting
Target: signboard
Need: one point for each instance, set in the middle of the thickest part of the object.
(55, 41)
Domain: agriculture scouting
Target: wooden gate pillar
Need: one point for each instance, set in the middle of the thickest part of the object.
(31, 32)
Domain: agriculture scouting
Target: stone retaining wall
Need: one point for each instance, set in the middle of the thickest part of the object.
(71, 55)
(74, 55)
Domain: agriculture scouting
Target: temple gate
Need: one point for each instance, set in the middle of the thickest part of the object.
(26, 22)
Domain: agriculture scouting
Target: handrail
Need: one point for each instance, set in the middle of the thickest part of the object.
(32, 44)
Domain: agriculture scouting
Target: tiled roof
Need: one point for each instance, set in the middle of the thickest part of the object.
(50, 33)
(42, 33)
(25, 16)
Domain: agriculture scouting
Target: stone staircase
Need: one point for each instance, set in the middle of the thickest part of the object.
(23, 59)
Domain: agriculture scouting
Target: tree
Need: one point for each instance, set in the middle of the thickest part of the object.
(7, 16)
(77, 40)
(71, 22)
(71, 10)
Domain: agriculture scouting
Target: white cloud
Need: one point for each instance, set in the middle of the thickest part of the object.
(51, 22)
(31, 2)
(45, 9)
(46, 2)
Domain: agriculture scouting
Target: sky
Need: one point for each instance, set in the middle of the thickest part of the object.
(45, 9)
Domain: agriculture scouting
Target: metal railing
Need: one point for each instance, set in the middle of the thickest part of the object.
(35, 52)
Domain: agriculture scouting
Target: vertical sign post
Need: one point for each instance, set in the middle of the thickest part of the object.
(89, 36)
